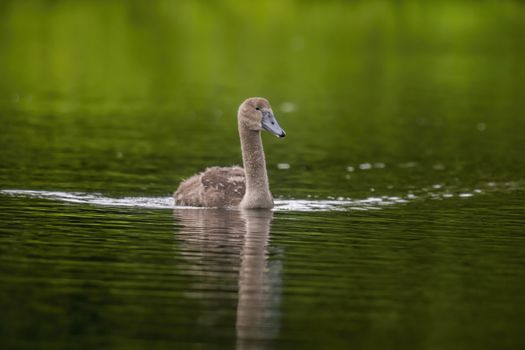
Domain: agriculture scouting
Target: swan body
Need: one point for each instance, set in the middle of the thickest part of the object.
(247, 187)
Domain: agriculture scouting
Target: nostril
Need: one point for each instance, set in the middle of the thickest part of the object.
(273, 123)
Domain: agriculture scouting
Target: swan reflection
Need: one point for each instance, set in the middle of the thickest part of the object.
(229, 249)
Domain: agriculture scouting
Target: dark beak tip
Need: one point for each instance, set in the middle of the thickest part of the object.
(283, 134)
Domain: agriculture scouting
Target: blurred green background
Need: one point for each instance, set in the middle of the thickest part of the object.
(132, 96)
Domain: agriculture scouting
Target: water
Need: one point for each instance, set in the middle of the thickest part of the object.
(399, 187)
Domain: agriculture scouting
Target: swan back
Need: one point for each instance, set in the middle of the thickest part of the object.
(217, 187)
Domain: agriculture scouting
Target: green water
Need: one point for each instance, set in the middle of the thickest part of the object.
(400, 185)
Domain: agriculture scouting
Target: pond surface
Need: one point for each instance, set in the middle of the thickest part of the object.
(400, 187)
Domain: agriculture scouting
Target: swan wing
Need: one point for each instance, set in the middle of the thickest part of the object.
(223, 187)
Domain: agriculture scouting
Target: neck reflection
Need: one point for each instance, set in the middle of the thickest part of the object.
(227, 247)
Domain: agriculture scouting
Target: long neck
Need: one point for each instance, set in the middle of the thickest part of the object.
(257, 188)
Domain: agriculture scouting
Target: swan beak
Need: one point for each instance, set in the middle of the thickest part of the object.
(269, 123)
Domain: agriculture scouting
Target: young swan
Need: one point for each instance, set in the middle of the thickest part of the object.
(237, 187)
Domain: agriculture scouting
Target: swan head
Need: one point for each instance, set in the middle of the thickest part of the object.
(256, 114)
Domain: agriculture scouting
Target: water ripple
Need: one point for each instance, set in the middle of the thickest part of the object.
(434, 192)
